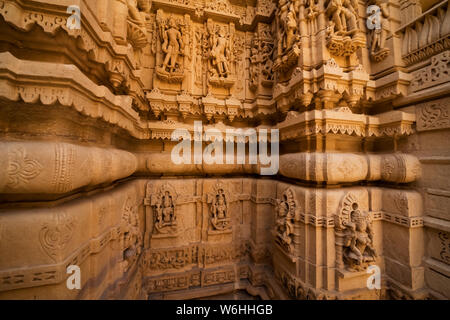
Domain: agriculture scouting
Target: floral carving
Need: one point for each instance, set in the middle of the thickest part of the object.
(56, 235)
(433, 115)
(21, 169)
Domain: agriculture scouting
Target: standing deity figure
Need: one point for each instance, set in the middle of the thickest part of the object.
(164, 213)
(343, 16)
(220, 54)
(158, 216)
(291, 26)
(282, 18)
(358, 244)
(172, 42)
(168, 209)
(285, 220)
(219, 210)
(379, 34)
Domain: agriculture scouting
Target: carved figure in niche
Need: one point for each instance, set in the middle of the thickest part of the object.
(164, 212)
(261, 55)
(219, 211)
(172, 40)
(286, 212)
(344, 35)
(267, 52)
(163, 204)
(358, 245)
(131, 236)
(287, 20)
(354, 237)
(343, 15)
(291, 26)
(378, 51)
(220, 53)
(287, 25)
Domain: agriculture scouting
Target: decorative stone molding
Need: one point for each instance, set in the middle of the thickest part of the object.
(53, 274)
(78, 89)
(24, 171)
(390, 124)
(427, 35)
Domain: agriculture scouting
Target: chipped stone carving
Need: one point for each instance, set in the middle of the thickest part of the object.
(378, 49)
(354, 236)
(286, 20)
(131, 237)
(344, 35)
(287, 210)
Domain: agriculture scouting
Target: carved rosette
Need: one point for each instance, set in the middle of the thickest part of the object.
(354, 236)
(287, 211)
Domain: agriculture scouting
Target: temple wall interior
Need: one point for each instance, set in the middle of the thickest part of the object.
(355, 101)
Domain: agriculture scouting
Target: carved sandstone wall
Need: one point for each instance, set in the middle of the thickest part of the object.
(88, 103)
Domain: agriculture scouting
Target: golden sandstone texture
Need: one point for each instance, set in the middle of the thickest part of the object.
(349, 97)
